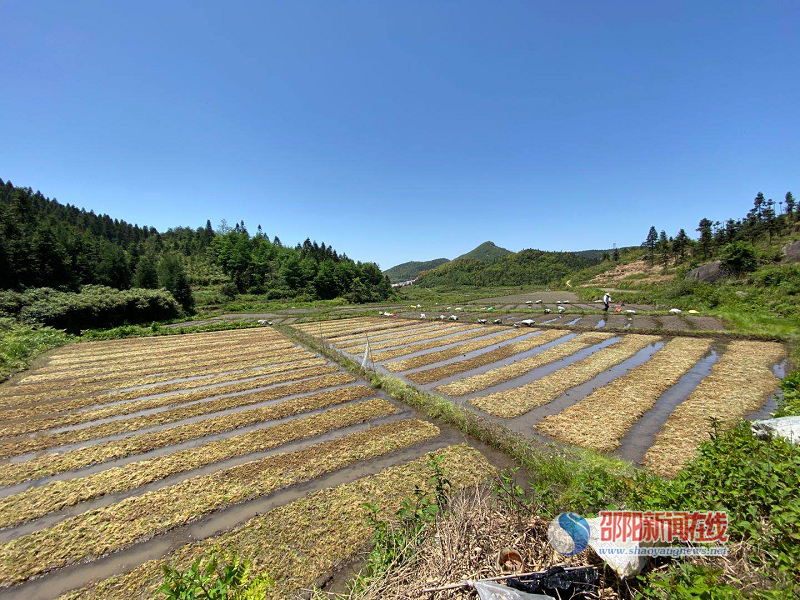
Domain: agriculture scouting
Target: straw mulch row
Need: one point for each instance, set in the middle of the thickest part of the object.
(120, 369)
(134, 406)
(520, 367)
(501, 353)
(14, 447)
(420, 337)
(739, 383)
(89, 350)
(468, 335)
(39, 501)
(365, 326)
(58, 405)
(358, 338)
(53, 464)
(518, 401)
(95, 533)
(324, 530)
(332, 325)
(171, 355)
(434, 357)
(602, 418)
(72, 387)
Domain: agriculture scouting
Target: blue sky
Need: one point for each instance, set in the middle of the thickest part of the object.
(405, 130)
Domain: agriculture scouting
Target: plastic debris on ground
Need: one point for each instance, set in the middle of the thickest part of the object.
(787, 428)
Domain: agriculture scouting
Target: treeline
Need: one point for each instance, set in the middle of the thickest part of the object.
(527, 267)
(731, 241)
(44, 243)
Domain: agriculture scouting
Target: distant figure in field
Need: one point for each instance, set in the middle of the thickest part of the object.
(606, 301)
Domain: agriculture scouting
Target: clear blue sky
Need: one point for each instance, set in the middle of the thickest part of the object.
(405, 130)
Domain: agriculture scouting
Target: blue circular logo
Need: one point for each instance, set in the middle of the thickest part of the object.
(568, 534)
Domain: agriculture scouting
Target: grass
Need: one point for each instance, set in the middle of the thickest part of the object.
(52, 464)
(20, 344)
(739, 383)
(15, 447)
(95, 533)
(601, 419)
(519, 400)
(39, 501)
(498, 375)
(324, 530)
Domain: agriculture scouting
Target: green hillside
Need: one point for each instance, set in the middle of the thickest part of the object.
(527, 267)
(486, 251)
(411, 269)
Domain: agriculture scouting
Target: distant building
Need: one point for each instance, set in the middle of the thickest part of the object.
(403, 283)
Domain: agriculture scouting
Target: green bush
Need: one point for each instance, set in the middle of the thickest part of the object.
(96, 306)
(739, 257)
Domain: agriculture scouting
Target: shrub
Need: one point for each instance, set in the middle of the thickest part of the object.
(96, 306)
(229, 290)
(739, 257)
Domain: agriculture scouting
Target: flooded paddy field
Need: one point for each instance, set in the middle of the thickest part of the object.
(648, 397)
(121, 456)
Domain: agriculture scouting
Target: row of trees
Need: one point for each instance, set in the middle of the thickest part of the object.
(47, 244)
(761, 222)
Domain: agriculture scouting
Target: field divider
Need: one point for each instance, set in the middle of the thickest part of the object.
(95, 533)
(517, 401)
(601, 419)
(76, 462)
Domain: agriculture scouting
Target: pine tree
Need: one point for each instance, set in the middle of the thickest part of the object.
(705, 236)
(650, 242)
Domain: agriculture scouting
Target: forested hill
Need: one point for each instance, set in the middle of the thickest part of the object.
(527, 267)
(486, 251)
(44, 243)
(409, 270)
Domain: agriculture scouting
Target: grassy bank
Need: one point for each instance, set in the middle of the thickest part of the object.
(20, 344)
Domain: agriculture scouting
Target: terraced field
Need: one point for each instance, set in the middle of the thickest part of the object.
(651, 398)
(121, 456)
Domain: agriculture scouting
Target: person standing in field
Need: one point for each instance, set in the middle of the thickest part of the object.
(606, 301)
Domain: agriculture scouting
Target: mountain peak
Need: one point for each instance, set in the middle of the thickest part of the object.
(487, 251)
